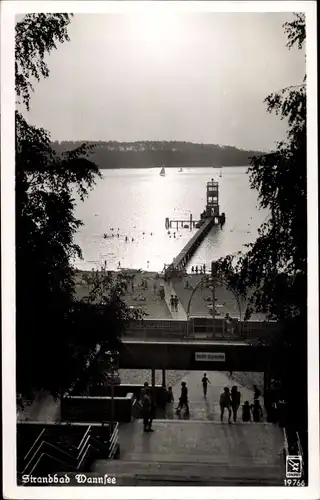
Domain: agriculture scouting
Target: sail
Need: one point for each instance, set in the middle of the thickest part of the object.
(162, 171)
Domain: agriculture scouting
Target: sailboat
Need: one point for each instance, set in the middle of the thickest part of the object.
(162, 171)
(220, 172)
(180, 169)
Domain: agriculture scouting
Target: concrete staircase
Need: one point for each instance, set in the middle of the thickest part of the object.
(146, 473)
(197, 453)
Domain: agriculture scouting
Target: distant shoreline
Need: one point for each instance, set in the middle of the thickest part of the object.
(154, 154)
(175, 166)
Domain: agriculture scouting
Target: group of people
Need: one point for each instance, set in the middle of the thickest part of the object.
(199, 269)
(230, 400)
(174, 302)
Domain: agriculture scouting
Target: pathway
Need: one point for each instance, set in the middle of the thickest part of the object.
(181, 313)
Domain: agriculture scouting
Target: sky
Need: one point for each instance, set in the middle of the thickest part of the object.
(199, 77)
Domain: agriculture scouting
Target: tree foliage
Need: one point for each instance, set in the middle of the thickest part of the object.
(56, 332)
(277, 261)
(275, 265)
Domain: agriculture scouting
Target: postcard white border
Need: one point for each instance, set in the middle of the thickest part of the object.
(8, 11)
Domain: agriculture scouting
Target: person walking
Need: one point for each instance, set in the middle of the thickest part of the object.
(169, 403)
(256, 393)
(205, 382)
(246, 415)
(235, 401)
(257, 412)
(153, 408)
(146, 410)
(225, 402)
(183, 400)
(176, 303)
(172, 302)
(144, 390)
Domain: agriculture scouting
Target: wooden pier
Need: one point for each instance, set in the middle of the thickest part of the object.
(209, 218)
(187, 252)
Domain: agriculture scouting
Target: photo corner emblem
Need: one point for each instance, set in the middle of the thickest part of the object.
(293, 466)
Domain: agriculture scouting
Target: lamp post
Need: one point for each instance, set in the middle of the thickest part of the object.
(213, 276)
(112, 379)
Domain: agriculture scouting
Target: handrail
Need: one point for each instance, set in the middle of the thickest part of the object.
(115, 432)
(113, 440)
(65, 464)
(34, 444)
(46, 443)
(88, 431)
(87, 441)
(84, 456)
(300, 449)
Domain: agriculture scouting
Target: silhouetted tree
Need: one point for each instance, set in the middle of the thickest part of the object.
(56, 332)
(275, 265)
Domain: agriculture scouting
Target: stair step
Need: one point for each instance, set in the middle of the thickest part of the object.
(135, 472)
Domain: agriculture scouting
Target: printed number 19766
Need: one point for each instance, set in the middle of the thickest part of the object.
(294, 482)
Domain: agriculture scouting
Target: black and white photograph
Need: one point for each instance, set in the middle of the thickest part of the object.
(159, 249)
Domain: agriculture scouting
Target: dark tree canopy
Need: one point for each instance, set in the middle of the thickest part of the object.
(56, 333)
(277, 260)
(275, 265)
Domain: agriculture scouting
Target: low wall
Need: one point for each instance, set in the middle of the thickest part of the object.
(121, 391)
(96, 408)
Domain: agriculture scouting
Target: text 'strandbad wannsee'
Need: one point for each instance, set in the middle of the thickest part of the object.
(70, 479)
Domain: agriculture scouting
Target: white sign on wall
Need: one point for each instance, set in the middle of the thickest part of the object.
(210, 356)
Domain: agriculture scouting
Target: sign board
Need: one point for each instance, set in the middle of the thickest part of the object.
(210, 356)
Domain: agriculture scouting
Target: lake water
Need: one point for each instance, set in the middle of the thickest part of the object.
(135, 203)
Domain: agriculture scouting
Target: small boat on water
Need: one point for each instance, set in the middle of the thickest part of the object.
(220, 172)
(180, 169)
(162, 171)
